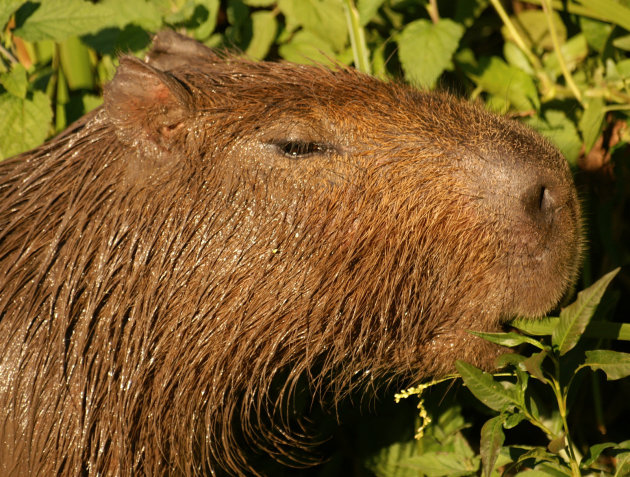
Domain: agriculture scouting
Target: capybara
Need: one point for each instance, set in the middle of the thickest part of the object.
(223, 232)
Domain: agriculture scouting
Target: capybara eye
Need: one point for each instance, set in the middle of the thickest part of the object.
(300, 149)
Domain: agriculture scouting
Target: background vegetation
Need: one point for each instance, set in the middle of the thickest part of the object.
(561, 66)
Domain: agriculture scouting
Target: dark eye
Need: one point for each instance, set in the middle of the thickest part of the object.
(299, 149)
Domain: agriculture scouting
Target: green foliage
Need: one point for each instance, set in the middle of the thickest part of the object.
(516, 400)
(562, 66)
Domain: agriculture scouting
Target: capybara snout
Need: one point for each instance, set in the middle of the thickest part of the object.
(221, 232)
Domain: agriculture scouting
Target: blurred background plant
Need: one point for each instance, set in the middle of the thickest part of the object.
(561, 66)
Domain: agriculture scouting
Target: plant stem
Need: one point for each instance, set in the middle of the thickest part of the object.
(561, 399)
(357, 38)
(556, 46)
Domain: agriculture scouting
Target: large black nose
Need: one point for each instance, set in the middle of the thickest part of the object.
(540, 201)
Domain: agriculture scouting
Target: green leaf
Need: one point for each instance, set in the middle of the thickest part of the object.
(561, 131)
(8, 8)
(510, 339)
(425, 49)
(594, 452)
(24, 123)
(436, 464)
(486, 389)
(623, 466)
(323, 18)
(492, 438)
(367, 10)
(533, 29)
(59, 19)
(575, 317)
(15, 81)
(75, 61)
(390, 461)
(615, 364)
(610, 10)
(536, 327)
(495, 76)
(533, 365)
(595, 32)
(592, 121)
(264, 27)
(573, 52)
(306, 47)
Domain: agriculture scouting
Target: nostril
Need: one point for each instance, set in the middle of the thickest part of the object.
(538, 201)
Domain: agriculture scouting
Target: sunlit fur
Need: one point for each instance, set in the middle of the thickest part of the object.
(167, 274)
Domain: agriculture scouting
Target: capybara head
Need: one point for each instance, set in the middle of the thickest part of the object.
(173, 263)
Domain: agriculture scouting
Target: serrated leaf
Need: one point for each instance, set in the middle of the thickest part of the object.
(425, 49)
(492, 438)
(575, 317)
(306, 47)
(15, 81)
(509, 339)
(24, 123)
(486, 389)
(592, 121)
(536, 327)
(615, 364)
(390, 461)
(60, 19)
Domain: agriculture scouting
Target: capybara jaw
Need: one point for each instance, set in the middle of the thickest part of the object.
(222, 232)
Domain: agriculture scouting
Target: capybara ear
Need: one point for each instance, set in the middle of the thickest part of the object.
(145, 103)
(170, 50)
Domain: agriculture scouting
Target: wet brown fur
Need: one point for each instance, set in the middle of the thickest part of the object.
(167, 273)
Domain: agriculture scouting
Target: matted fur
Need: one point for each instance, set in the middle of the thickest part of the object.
(167, 274)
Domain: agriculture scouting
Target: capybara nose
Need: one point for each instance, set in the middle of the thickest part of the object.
(540, 201)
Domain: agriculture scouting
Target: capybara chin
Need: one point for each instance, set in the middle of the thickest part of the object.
(173, 263)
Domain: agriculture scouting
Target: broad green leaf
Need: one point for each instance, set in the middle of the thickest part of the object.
(486, 389)
(437, 464)
(533, 365)
(59, 19)
(24, 123)
(533, 29)
(15, 81)
(515, 56)
(306, 47)
(595, 32)
(573, 52)
(611, 10)
(264, 27)
(622, 42)
(76, 64)
(367, 10)
(510, 339)
(143, 13)
(514, 420)
(594, 452)
(575, 317)
(323, 18)
(390, 461)
(536, 327)
(495, 76)
(615, 364)
(259, 3)
(592, 121)
(425, 50)
(8, 8)
(492, 438)
(561, 131)
(623, 466)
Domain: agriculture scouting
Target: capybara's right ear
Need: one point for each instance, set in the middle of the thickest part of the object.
(145, 103)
